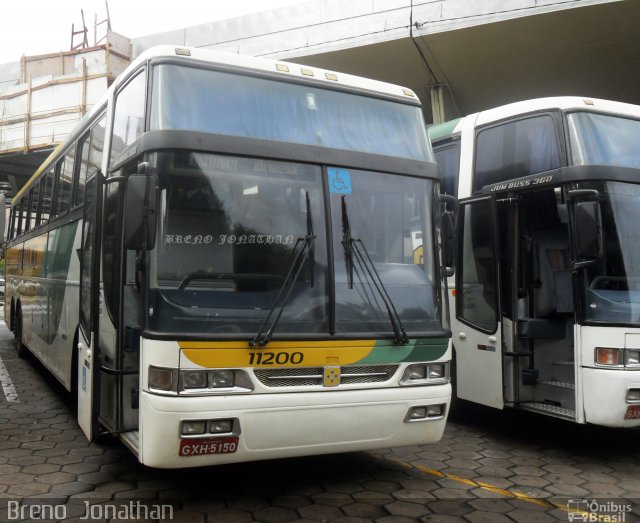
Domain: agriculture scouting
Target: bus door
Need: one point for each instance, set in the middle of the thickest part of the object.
(537, 301)
(477, 336)
(88, 363)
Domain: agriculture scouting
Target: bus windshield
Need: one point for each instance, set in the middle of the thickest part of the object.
(612, 286)
(230, 228)
(186, 98)
(599, 139)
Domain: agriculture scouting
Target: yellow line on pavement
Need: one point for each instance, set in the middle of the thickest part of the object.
(479, 484)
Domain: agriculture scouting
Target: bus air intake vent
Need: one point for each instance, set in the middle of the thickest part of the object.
(312, 376)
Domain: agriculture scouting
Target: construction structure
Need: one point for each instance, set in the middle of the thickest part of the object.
(43, 97)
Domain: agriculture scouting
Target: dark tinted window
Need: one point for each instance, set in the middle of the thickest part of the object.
(35, 201)
(47, 197)
(78, 198)
(448, 158)
(91, 150)
(476, 282)
(516, 149)
(65, 179)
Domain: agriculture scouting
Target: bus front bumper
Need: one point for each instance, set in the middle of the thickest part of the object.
(287, 424)
(605, 393)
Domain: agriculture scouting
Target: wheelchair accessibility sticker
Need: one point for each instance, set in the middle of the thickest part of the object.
(339, 180)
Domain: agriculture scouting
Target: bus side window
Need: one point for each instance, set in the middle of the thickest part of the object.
(12, 224)
(35, 206)
(65, 178)
(47, 197)
(27, 211)
(18, 218)
(128, 120)
(83, 149)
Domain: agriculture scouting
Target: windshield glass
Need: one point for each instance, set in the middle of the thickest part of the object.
(230, 229)
(599, 139)
(612, 286)
(187, 98)
(390, 218)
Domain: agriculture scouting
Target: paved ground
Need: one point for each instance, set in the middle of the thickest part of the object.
(489, 467)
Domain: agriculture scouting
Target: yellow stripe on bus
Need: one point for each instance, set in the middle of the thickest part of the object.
(277, 354)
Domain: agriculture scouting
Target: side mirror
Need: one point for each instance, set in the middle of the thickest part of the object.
(449, 240)
(140, 212)
(587, 227)
(588, 230)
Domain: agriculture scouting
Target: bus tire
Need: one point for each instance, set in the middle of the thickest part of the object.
(21, 349)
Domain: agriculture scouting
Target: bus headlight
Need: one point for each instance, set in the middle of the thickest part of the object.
(222, 378)
(426, 374)
(632, 357)
(214, 381)
(193, 379)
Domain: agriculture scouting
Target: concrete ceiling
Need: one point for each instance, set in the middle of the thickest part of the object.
(588, 51)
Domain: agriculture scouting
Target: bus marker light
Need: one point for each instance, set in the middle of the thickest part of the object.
(605, 356)
(193, 427)
(160, 378)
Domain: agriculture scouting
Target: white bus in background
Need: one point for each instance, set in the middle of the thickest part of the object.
(220, 262)
(546, 306)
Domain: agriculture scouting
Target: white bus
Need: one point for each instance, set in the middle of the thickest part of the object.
(547, 286)
(219, 262)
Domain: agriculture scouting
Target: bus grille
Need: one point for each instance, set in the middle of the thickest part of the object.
(312, 376)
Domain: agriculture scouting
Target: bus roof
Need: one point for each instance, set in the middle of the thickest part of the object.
(331, 79)
(562, 103)
(443, 130)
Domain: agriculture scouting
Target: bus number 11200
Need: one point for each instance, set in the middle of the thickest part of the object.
(275, 358)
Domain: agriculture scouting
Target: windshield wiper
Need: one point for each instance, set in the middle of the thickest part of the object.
(305, 253)
(355, 247)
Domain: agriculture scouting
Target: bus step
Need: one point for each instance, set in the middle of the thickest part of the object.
(131, 439)
(558, 383)
(552, 410)
(563, 371)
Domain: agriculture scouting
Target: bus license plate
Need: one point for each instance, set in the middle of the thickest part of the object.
(202, 446)
(633, 412)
